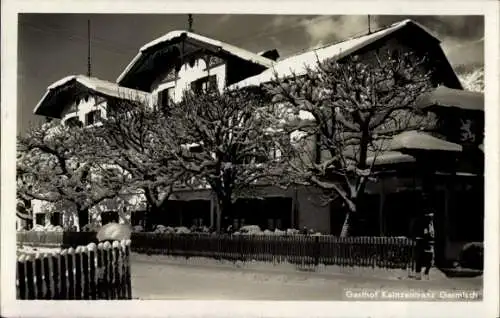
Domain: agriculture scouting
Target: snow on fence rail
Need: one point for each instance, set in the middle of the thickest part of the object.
(381, 252)
(85, 273)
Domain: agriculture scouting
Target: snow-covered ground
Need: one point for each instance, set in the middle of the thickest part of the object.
(158, 277)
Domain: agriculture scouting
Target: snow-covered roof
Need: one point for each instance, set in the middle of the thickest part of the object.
(65, 90)
(418, 140)
(216, 44)
(390, 157)
(298, 64)
(448, 97)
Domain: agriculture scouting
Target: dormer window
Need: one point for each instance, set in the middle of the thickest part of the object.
(73, 122)
(204, 84)
(92, 117)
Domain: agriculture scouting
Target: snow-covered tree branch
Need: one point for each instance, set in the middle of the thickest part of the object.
(354, 106)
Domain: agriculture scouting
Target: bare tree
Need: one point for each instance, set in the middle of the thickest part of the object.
(354, 105)
(228, 141)
(139, 141)
(56, 163)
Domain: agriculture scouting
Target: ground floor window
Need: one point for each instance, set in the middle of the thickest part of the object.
(268, 213)
(40, 218)
(56, 218)
(400, 210)
(137, 218)
(182, 213)
(109, 216)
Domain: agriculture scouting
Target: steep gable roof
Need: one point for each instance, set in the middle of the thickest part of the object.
(66, 90)
(298, 64)
(148, 51)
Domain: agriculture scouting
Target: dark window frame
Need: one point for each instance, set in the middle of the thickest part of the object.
(91, 118)
(73, 121)
(197, 86)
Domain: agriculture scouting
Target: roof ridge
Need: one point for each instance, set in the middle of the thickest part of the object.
(353, 37)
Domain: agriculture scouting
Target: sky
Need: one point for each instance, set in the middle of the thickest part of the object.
(53, 46)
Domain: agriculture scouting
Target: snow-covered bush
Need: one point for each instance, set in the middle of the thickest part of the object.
(90, 228)
(268, 232)
(182, 230)
(250, 229)
(279, 232)
(38, 228)
(292, 231)
(138, 228)
(164, 229)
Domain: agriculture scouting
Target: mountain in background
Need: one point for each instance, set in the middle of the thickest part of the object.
(472, 79)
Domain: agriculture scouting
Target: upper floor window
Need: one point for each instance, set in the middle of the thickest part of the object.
(165, 97)
(92, 117)
(204, 84)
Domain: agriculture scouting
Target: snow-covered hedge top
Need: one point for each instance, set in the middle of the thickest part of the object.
(47, 228)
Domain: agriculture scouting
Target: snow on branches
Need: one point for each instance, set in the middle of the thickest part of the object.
(354, 105)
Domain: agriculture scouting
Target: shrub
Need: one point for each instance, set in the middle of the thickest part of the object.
(138, 228)
(250, 229)
(471, 255)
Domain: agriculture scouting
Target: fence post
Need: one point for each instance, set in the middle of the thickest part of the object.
(121, 267)
(30, 277)
(85, 272)
(49, 294)
(64, 274)
(108, 272)
(128, 279)
(116, 269)
(240, 248)
(38, 276)
(92, 271)
(101, 272)
(78, 273)
(56, 275)
(316, 251)
(21, 277)
(71, 273)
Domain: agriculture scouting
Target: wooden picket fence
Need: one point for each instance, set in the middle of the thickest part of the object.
(380, 252)
(88, 272)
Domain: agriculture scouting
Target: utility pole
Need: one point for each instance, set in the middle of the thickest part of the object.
(369, 26)
(190, 22)
(89, 57)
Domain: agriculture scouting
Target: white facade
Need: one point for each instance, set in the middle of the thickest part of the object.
(187, 75)
(83, 108)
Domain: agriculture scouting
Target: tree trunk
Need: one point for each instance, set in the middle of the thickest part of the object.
(346, 227)
(226, 215)
(83, 218)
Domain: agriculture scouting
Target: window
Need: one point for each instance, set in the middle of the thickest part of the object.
(165, 97)
(55, 218)
(40, 218)
(204, 84)
(92, 117)
(195, 148)
(137, 218)
(73, 122)
(109, 216)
